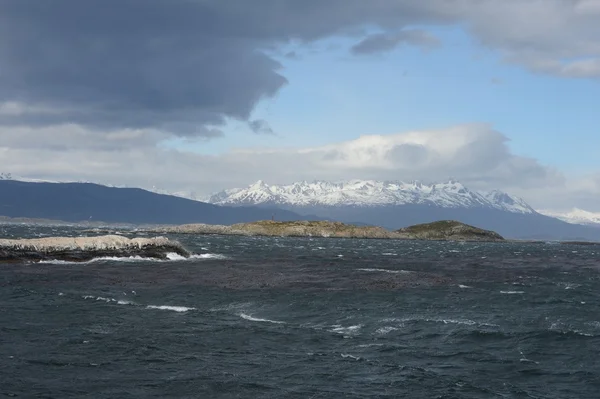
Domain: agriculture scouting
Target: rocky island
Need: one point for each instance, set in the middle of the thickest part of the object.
(447, 230)
(79, 249)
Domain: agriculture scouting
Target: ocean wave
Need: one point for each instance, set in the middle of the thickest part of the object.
(251, 318)
(385, 330)
(171, 257)
(127, 259)
(347, 356)
(464, 286)
(337, 328)
(179, 309)
(383, 270)
(208, 256)
(108, 300)
(465, 322)
(512, 292)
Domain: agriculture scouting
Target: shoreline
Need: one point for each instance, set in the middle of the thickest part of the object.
(240, 229)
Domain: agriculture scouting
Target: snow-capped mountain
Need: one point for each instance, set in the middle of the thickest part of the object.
(370, 193)
(575, 216)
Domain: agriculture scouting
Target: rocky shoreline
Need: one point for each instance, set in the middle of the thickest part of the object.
(80, 249)
(438, 231)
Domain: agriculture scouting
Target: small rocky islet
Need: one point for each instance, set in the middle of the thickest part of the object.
(81, 249)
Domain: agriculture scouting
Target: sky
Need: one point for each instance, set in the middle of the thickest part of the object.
(202, 95)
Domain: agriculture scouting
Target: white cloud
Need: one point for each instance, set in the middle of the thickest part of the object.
(475, 154)
(551, 36)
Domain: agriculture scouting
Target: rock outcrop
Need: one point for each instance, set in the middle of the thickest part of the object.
(443, 230)
(449, 230)
(312, 229)
(86, 248)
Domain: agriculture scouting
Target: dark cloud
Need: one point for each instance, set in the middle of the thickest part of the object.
(292, 55)
(182, 65)
(260, 126)
(172, 65)
(382, 42)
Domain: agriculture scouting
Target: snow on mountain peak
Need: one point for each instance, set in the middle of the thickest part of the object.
(451, 194)
(574, 216)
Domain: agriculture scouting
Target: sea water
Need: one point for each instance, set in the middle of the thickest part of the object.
(305, 318)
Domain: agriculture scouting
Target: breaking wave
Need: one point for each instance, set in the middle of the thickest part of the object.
(251, 318)
(179, 309)
(383, 270)
(171, 257)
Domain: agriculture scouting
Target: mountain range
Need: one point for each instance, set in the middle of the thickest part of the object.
(575, 216)
(395, 204)
(85, 202)
(392, 205)
(369, 193)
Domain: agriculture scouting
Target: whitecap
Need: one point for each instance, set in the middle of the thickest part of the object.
(175, 256)
(453, 321)
(369, 345)
(101, 259)
(108, 300)
(383, 270)
(251, 318)
(512, 292)
(346, 330)
(386, 329)
(464, 286)
(346, 356)
(208, 256)
(171, 257)
(179, 309)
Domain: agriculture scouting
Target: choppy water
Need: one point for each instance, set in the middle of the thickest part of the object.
(305, 318)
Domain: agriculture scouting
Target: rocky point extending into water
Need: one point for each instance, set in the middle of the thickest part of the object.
(79, 249)
(443, 230)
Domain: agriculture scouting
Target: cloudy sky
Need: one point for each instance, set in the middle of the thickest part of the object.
(200, 95)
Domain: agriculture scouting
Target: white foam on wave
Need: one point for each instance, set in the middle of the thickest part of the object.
(175, 256)
(512, 292)
(383, 270)
(347, 356)
(385, 330)
(251, 318)
(108, 300)
(465, 322)
(337, 328)
(569, 286)
(102, 259)
(209, 256)
(236, 306)
(464, 286)
(369, 345)
(171, 257)
(563, 328)
(179, 309)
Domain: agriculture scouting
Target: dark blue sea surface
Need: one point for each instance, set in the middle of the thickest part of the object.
(305, 318)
